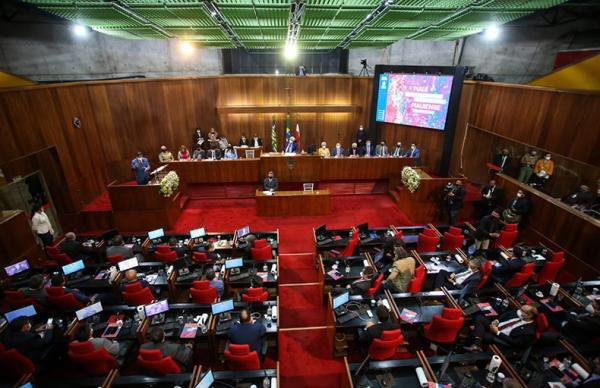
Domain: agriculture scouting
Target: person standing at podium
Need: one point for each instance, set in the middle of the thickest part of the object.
(270, 183)
(141, 166)
(256, 141)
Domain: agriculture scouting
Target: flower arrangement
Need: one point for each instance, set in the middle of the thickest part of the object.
(169, 184)
(411, 179)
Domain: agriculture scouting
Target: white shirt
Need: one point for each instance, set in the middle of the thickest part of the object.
(462, 276)
(518, 322)
(41, 223)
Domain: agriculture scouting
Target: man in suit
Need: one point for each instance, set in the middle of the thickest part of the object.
(361, 136)
(271, 183)
(85, 333)
(453, 200)
(398, 150)
(413, 152)
(466, 281)
(118, 247)
(32, 345)
(244, 142)
(505, 270)
(141, 166)
(58, 280)
(372, 331)
(36, 290)
(214, 153)
(174, 245)
(72, 247)
(513, 328)
(368, 149)
(515, 210)
(487, 229)
(246, 331)
(338, 151)
(291, 146)
(256, 141)
(362, 285)
(180, 353)
(354, 151)
(581, 326)
(502, 160)
(490, 194)
(382, 149)
(581, 199)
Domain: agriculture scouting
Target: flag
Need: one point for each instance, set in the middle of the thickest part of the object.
(273, 136)
(288, 131)
(297, 136)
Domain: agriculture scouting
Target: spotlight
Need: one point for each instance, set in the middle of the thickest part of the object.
(186, 48)
(213, 13)
(79, 30)
(290, 51)
(491, 32)
(277, 71)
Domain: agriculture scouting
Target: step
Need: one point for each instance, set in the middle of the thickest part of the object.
(395, 196)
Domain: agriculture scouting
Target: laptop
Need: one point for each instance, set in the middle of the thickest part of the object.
(197, 233)
(128, 264)
(27, 311)
(88, 311)
(73, 267)
(17, 268)
(234, 263)
(241, 232)
(156, 234)
(207, 380)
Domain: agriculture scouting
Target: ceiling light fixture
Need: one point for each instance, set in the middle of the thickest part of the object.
(186, 48)
(79, 30)
(491, 33)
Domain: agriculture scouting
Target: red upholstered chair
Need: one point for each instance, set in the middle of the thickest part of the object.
(133, 287)
(430, 232)
(153, 361)
(261, 254)
(166, 257)
(455, 231)
(257, 294)
(201, 292)
(399, 234)
(261, 243)
(557, 256)
(486, 270)
(416, 283)
(94, 361)
(549, 271)
(511, 227)
(518, 279)
(61, 259)
(64, 301)
(373, 290)
(385, 347)
(451, 313)
(53, 251)
(348, 249)
(443, 330)
(541, 325)
(452, 241)
(427, 243)
(114, 259)
(138, 298)
(507, 237)
(162, 248)
(239, 357)
(200, 257)
(16, 300)
(14, 364)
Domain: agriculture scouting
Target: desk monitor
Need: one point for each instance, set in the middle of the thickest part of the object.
(341, 300)
(156, 308)
(73, 267)
(222, 307)
(241, 232)
(363, 228)
(128, 264)
(154, 234)
(234, 263)
(207, 380)
(197, 233)
(308, 187)
(16, 268)
(88, 311)
(321, 230)
(27, 311)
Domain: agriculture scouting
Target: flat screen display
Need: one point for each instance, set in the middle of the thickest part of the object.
(128, 264)
(241, 232)
(27, 311)
(207, 380)
(196, 233)
(88, 311)
(234, 263)
(73, 267)
(156, 308)
(154, 234)
(341, 300)
(419, 100)
(222, 307)
(16, 268)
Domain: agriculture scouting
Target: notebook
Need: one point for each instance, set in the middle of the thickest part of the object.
(408, 315)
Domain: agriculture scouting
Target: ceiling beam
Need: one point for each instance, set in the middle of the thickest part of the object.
(128, 12)
(381, 9)
(294, 22)
(215, 13)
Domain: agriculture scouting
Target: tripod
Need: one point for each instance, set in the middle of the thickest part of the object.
(364, 71)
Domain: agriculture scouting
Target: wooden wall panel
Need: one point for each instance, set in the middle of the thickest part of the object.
(429, 141)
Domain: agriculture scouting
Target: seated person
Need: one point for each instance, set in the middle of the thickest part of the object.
(403, 270)
(174, 245)
(199, 153)
(582, 199)
(324, 151)
(209, 249)
(368, 149)
(412, 152)
(183, 153)
(581, 325)
(255, 141)
(165, 155)
(502, 272)
(593, 380)
(230, 153)
(244, 142)
(398, 151)
(381, 149)
(466, 281)
(72, 247)
(214, 282)
(270, 183)
(488, 229)
(338, 151)
(182, 354)
(212, 134)
(372, 331)
(354, 151)
(131, 278)
(223, 143)
(30, 344)
(247, 331)
(513, 328)
(213, 153)
(85, 333)
(291, 147)
(36, 290)
(118, 248)
(362, 285)
(58, 280)
(515, 210)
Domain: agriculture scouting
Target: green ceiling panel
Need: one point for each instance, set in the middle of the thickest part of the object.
(325, 24)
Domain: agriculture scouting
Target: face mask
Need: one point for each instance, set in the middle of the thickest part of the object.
(412, 147)
(547, 158)
(520, 195)
(398, 145)
(520, 314)
(368, 144)
(589, 308)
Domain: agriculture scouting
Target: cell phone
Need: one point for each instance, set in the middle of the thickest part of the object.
(49, 322)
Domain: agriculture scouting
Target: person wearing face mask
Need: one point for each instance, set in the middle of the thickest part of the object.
(466, 281)
(398, 150)
(527, 163)
(361, 136)
(165, 155)
(513, 328)
(368, 150)
(354, 151)
(256, 141)
(490, 194)
(581, 199)
(580, 325)
(516, 208)
(244, 142)
(382, 149)
(413, 152)
(141, 166)
(502, 160)
(543, 171)
(270, 183)
(198, 139)
(338, 151)
(324, 151)
(291, 146)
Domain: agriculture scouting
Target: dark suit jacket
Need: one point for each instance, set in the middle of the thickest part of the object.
(354, 152)
(487, 225)
(494, 195)
(177, 352)
(29, 344)
(294, 147)
(363, 150)
(259, 142)
(244, 142)
(521, 205)
(505, 271)
(360, 287)
(583, 327)
(397, 150)
(468, 286)
(520, 336)
(248, 333)
(375, 331)
(498, 162)
(361, 136)
(335, 153)
(273, 184)
(72, 248)
(456, 202)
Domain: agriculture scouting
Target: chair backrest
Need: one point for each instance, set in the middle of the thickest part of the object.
(260, 243)
(557, 256)
(385, 347)
(261, 254)
(455, 231)
(528, 268)
(94, 361)
(261, 296)
(65, 301)
(204, 296)
(200, 257)
(511, 227)
(399, 234)
(518, 279)
(452, 313)
(506, 239)
(138, 298)
(349, 249)
(486, 270)
(239, 357)
(443, 330)
(166, 257)
(133, 287)
(153, 361)
(427, 243)
(162, 248)
(549, 271)
(53, 251)
(14, 364)
(62, 259)
(430, 232)
(114, 259)
(55, 291)
(416, 283)
(371, 291)
(452, 241)
(201, 284)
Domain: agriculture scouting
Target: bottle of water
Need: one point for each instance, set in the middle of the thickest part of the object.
(265, 268)
(347, 268)
(269, 311)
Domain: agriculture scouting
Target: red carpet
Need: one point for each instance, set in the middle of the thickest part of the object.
(99, 204)
(295, 269)
(301, 306)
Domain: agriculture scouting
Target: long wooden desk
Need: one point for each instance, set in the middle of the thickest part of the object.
(293, 203)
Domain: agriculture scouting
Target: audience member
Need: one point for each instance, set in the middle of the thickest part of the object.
(72, 247)
(249, 332)
(490, 194)
(214, 282)
(323, 151)
(338, 151)
(34, 346)
(372, 331)
(36, 290)
(180, 353)
(403, 270)
(183, 153)
(502, 160)
(527, 163)
(271, 183)
(85, 333)
(466, 281)
(398, 150)
(362, 285)
(165, 155)
(543, 170)
(516, 209)
(40, 223)
(141, 166)
(487, 229)
(453, 200)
